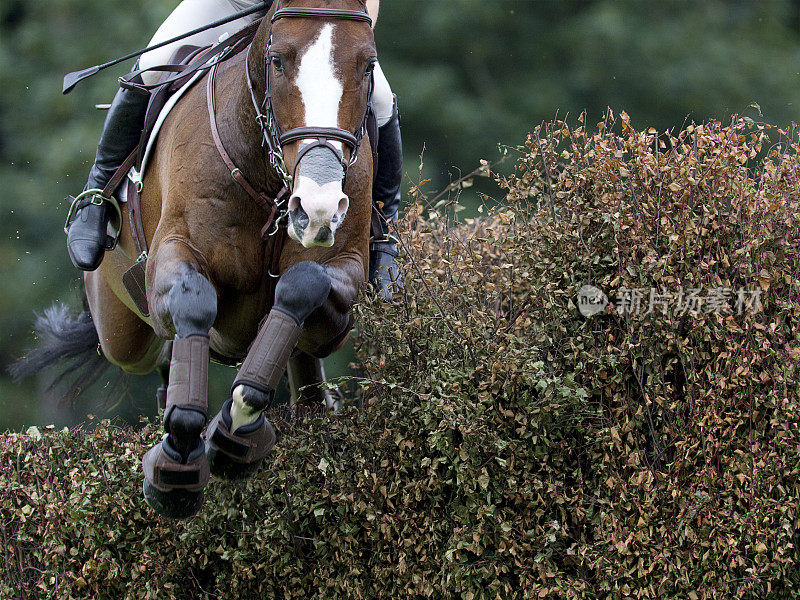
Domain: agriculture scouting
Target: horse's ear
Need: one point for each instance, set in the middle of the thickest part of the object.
(371, 6)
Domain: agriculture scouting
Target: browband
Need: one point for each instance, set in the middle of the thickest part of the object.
(324, 13)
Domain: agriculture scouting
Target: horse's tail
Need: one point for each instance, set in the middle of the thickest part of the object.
(69, 341)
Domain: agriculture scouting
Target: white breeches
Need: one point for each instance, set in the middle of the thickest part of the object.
(191, 14)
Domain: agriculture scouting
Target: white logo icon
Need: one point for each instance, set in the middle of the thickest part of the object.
(591, 300)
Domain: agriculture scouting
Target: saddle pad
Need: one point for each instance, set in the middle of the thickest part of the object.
(135, 175)
(161, 102)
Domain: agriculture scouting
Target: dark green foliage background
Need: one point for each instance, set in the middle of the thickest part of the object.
(469, 73)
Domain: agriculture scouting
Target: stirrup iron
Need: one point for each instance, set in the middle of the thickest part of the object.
(97, 198)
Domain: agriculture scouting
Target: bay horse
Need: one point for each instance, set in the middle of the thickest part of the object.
(289, 111)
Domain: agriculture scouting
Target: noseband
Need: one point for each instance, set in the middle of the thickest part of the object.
(274, 138)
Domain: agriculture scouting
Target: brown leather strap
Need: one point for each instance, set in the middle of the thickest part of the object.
(321, 13)
(223, 50)
(120, 173)
(134, 213)
(267, 358)
(260, 198)
(327, 133)
(378, 226)
(135, 219)
(188, 376)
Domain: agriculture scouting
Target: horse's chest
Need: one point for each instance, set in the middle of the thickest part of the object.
(236, 325)
(234, 256)
(238, 267)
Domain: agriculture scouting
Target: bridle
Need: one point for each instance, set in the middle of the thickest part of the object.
(273, 137)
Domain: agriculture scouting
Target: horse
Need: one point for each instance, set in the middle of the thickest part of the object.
(288, 112)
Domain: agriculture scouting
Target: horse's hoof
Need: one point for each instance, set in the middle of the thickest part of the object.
(223, 467)
(334, 400)
(174, 488)
(237, 455)
(175, 504)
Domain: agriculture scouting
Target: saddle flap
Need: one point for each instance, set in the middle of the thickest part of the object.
(133, 280)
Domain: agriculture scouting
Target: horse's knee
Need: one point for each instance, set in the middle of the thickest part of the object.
(192, 304)
(302, 289)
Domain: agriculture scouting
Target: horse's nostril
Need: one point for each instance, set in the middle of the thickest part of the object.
(324, 234)
(300, 217)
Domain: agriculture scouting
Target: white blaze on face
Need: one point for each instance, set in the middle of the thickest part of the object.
(319, 195)
(316, 80)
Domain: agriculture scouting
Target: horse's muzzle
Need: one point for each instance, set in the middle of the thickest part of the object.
(317, 205)
(315, 217)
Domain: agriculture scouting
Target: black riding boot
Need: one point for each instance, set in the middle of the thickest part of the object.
(87, 239)
(386, 198)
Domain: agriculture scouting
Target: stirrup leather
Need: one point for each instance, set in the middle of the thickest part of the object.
(95, 196)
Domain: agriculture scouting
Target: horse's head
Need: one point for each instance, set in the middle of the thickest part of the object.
(316, 66)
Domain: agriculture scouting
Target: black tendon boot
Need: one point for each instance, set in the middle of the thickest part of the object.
(386, 198)
(89, 214)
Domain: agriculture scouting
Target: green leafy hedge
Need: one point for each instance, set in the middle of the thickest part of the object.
(505, 445)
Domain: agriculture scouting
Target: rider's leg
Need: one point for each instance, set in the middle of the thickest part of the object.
(188, 15)
(87, 240)
(386, 192)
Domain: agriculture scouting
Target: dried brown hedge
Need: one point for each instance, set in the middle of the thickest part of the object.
(508, 446)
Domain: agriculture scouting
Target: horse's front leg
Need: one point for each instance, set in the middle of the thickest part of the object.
(312, 301)
(184, 305)
(306, 376)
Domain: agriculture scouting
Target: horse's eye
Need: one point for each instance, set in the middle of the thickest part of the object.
(276, 62)
(370, 68)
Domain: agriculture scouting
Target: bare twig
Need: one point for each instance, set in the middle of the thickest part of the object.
(546, 174)
(454, 185)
